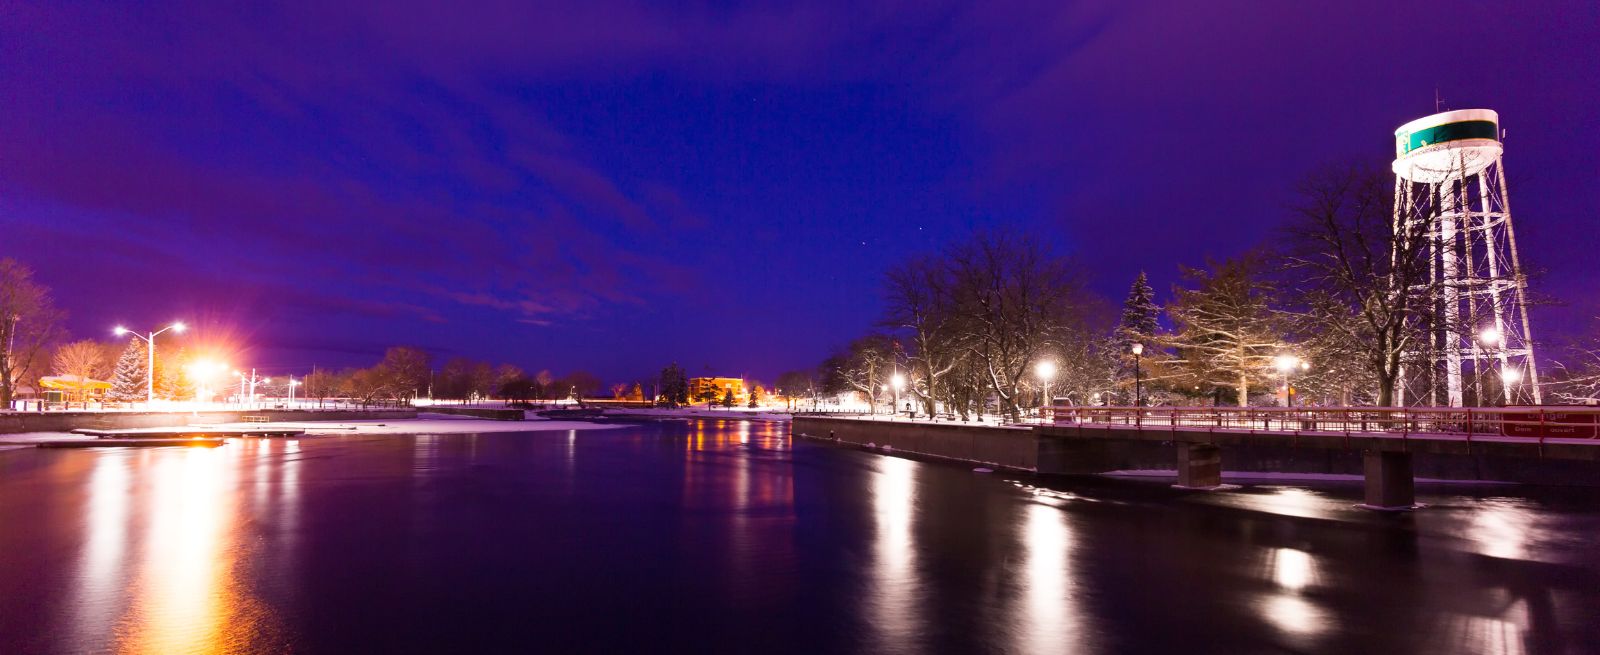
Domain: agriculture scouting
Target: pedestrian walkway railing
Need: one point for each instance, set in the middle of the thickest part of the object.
(1533, 422)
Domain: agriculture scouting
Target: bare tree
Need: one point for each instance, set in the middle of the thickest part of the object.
(798, 384)
(921, 301)
(1018, 303)
(29, 324)
(1357, 278)
(406, 369)
(867, 364)
(80, 362)
(505, 374)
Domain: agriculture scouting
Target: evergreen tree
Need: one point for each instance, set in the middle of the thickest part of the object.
(172, 376)
(674, 386)
(727, 397)
(128, 380)
(1139, 313)
(755, 396)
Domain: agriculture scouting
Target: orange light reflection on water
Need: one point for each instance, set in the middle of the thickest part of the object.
(185, 597)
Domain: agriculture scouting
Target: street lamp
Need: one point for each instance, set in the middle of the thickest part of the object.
(1287, 364)
(1045, 371)
(150, 369)
(205, 371)
(1138, 391)
(250, 380)
(1492, 337)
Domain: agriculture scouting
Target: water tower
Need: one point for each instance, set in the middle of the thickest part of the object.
(1450, 185)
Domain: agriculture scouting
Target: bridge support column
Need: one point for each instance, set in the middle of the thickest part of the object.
(1199, 466)
(1390, 485)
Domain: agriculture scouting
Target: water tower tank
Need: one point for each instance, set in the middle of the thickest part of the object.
(1452, 144)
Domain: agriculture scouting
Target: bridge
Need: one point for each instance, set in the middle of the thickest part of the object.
(1387, 437)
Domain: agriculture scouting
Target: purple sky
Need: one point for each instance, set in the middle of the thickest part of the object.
(613, 186)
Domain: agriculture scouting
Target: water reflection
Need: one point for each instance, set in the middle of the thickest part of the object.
(1287, 608)
(895, 589)
(185, 596)
(733, 539)
(1502, 527)
(100, 575)
(1051, 619)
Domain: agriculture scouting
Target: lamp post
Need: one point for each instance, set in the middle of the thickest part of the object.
(897, 382)
(1138, 391)
(295, 383)
(250, 380)
(1045, 371)
(1492, 337)
(1287, 364)
(150, 368)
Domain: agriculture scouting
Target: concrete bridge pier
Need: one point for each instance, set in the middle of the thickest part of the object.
(1390, 484)
(1199, 466)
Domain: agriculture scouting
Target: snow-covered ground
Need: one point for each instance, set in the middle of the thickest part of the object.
(425, 424)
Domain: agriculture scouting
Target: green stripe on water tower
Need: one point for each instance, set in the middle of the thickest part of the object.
(1448, 132)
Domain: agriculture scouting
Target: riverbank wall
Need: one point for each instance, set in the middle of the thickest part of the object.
(1004, 447)
(479, 412)
(15, 422)
(1023, 449)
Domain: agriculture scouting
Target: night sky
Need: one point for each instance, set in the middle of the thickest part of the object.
(613, 186)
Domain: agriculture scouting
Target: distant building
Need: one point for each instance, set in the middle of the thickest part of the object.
(717, 387)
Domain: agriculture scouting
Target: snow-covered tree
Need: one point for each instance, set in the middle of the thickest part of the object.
(1018, 303)
(1356, 281)
(1139, 314)
(866, 364)
(1228, 331)
(128, 378)
(920, 303)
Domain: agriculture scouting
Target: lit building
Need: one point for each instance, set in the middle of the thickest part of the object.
(717, 387)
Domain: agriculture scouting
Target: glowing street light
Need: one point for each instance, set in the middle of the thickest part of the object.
(1045, 371)
(1492, 337)
(1511, 377)
(1287, 364)
(204, 372)
(1138, 392)
(897, 382)
(150, 341)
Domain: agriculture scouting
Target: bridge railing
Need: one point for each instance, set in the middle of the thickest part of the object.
(1534, 422)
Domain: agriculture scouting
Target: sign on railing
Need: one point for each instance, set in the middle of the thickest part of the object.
(1549, 424)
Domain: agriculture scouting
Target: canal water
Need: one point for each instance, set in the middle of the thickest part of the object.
(730, 537)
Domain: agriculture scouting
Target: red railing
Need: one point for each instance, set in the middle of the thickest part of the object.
(1531, 423)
